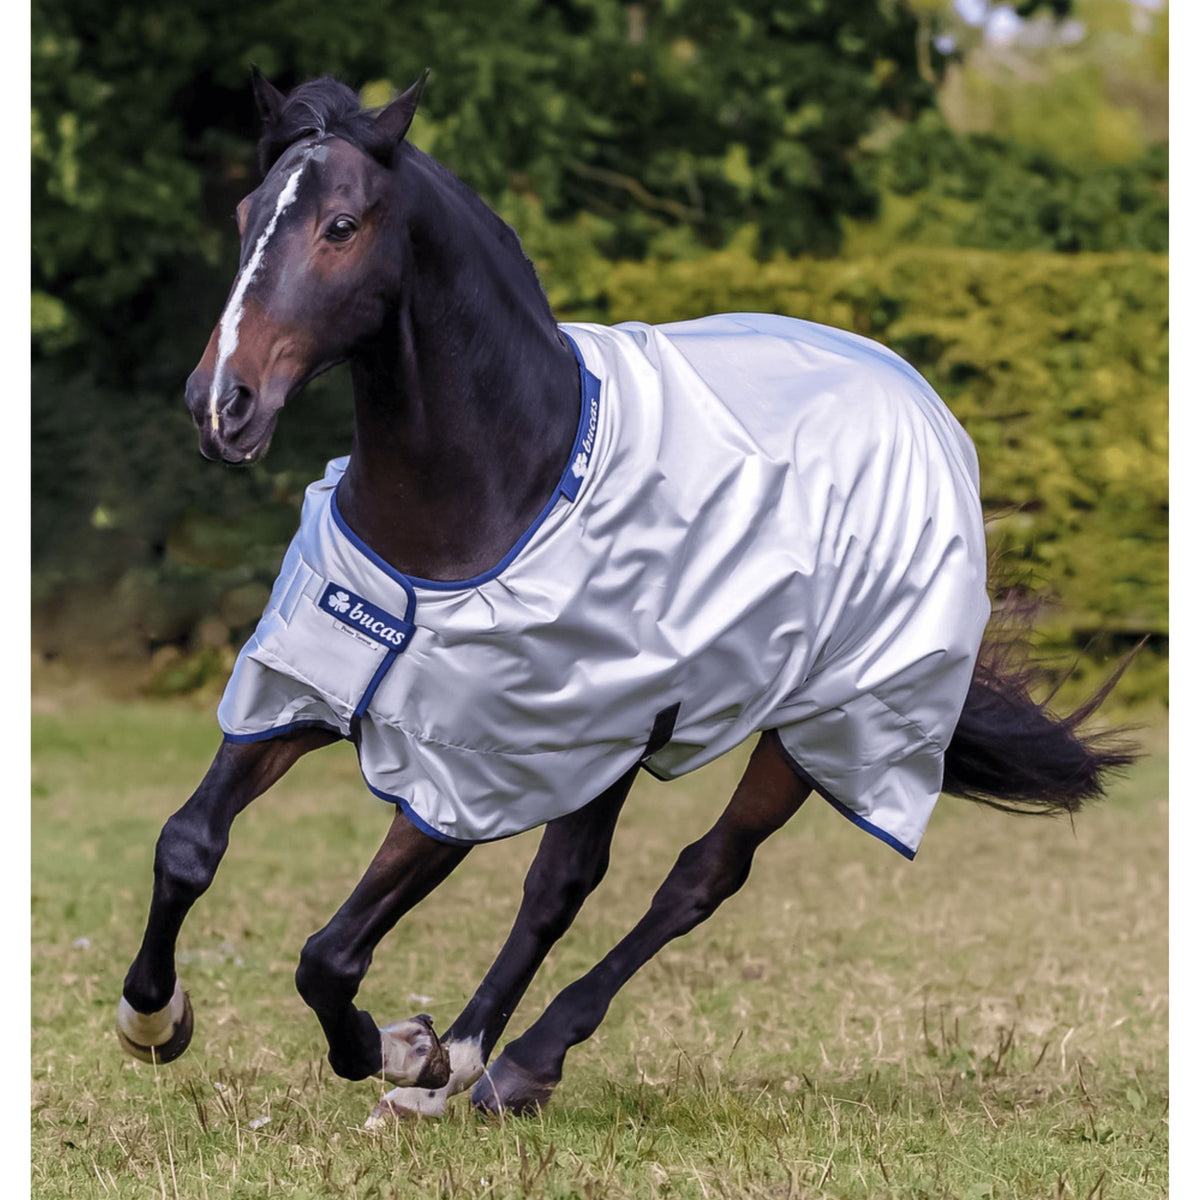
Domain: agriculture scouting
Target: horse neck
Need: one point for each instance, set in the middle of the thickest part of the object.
(466, 413)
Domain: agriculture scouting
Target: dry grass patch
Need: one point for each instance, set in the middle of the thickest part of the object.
(989, 1021)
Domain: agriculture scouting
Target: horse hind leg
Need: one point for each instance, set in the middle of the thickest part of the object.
(571, 860)
(706, 874)
(154, 1017)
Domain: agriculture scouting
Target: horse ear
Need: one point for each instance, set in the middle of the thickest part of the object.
(394, 121)
(268, 98)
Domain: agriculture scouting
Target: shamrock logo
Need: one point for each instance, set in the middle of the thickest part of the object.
(339, 602)
(579, 466)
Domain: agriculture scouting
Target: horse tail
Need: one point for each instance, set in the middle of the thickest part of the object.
(1013, 753)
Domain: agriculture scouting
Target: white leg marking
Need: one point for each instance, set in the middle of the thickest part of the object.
(466, 1066)
(150, 1029)
(406, 1048)
(231, 318)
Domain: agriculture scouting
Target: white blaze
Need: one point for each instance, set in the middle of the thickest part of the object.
(231, 318)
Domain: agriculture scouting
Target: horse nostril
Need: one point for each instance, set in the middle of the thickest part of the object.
(235, 400)
(236, 406)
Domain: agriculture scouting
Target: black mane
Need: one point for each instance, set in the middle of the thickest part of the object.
(318, 108)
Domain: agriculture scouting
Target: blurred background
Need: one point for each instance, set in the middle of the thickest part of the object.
(982, 186)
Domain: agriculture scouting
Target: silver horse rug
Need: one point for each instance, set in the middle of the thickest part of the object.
(764, 524)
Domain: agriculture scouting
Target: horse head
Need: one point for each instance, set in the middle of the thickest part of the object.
(322, 258)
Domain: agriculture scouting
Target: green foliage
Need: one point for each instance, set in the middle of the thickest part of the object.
(115, 194)
(603, 131)
(1057, 366)
(651, 115)
(1091, 89)
(944, 188)
(136, 539)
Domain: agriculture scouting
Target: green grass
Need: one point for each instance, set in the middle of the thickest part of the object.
(988, 1021)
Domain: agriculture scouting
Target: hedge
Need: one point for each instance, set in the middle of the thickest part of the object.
(1056, 364)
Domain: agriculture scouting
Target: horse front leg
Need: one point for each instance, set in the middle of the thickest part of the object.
(571, 860)
(707, 873)
(154, 1017)
(406, 868)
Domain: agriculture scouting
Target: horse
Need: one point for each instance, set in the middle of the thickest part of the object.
(554, 556)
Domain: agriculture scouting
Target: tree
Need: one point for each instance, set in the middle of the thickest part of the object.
(653, 114)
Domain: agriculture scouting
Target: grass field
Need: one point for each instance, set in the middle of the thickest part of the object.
(987, 1021)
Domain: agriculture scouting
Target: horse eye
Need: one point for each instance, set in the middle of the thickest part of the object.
(341, 230)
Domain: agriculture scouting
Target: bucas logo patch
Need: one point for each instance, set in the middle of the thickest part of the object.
(364, 617)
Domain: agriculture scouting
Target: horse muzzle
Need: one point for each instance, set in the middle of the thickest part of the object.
(234, 421)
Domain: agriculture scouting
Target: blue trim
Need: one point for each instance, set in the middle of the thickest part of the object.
(407, 808)
(280, 730)
(388, 659)
(888, 839)
(568, 486)
(411, 814)
(584, 445)
(882, 834)
(363, 548)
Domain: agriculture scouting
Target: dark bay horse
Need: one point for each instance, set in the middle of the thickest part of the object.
(485, 435)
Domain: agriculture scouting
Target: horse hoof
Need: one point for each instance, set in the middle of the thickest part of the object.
(159, 1037)
(404, 1103)
(408, 1104)
(412, 1054)
(509, 1089)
